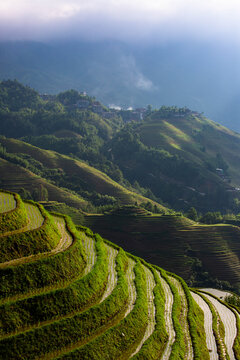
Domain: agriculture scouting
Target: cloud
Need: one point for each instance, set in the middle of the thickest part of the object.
(132, 76)
(126, 20)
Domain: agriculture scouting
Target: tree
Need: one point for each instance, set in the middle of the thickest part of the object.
(192, 214)
(211, 218)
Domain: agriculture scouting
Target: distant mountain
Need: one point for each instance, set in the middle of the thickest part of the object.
(202, 77)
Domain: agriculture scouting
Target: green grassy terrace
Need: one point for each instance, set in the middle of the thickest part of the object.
(84, 297)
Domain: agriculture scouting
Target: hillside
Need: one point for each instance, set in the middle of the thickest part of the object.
(174, 156)
(86, 181)
(185, 159)
(99, 302)
(201, 254)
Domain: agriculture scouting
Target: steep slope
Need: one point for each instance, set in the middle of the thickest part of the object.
(23, 178)
(91, 300)
(74, 173)
(198, 253)
(184, 158)
(195, 137)
(173, 155)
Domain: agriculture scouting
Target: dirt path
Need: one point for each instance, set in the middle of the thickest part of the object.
(229, 321)
(183, 318)
(168, 318)
(7, 202)
(210, 339)
(151, 309)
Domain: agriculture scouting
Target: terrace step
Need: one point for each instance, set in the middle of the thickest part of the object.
(7, 202)
(183, 318)
(151, 309)
(85, 298)
(39, 236)
(228, 318)
(208, 320)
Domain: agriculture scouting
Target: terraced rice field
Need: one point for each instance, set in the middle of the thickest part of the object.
(131, 286)
(7, 202)
(35, 221)
(34, 216)
(88, 299)
(89, 247)
(66, 237)
(168, 318)
(151, 309)
(221, 294)
(208, 319)
(229, 321)
(112, 274)
(183, 319)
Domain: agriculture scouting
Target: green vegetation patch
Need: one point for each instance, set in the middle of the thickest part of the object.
(60, 303)
(236, 345)
(120, 341)
(154, 346)
(15, 218)
(218, 329)
(195, 319)
(178, 347)
(78, 327)
(22, 244)
(29, 278)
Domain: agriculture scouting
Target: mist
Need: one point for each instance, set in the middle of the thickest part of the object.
(151, 21)
(168, 52)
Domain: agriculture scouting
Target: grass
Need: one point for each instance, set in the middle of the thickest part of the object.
(7, 202)
(76, 326)
(178, 347)
(96, 180)
(154, 346)
(25, 243)
(76, 296)
(195, 319)
(14, 216)
(14, 178)
(92, 301)
(30, 278)
(121, 340)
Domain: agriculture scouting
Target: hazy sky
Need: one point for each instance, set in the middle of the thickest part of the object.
(132, 20)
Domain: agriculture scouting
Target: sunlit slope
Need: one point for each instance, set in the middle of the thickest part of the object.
(88, 299)
(185, 159)
(86, 177)
(13, 177)
(174, 242)
(195, 138)
(12, 213)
